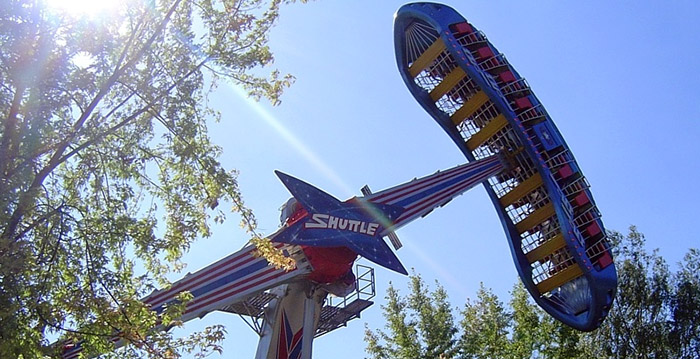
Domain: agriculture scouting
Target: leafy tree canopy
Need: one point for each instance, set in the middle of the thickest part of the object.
(107, 173)
(419, 325)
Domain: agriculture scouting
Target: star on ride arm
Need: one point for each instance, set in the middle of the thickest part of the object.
(355, 224)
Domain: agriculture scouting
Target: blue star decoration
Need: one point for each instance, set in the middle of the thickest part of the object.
(356, 224)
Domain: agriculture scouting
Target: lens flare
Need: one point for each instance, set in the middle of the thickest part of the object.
(79, 8)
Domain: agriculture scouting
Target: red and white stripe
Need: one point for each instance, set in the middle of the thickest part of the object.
(426, 204)
(204, 276)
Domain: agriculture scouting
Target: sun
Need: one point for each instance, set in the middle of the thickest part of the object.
(81, 8)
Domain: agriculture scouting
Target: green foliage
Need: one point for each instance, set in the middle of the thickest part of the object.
(434, 319)
(685, 304)
(557, 340)
(419, 325)
(106, 165)
(637, 323)
(484, 327)
(655, 312)
(655, 315)
(525, 317)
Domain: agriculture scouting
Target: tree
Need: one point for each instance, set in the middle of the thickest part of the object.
(637, 325)
(557, 340)
(535, 334)
(105, 162)
(685, 304)
(484, 327)
(655, 312)
(434, 319)
(419, 325)
(655, 315)
(525, 322)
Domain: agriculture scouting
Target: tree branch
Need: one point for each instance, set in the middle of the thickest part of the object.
(29, 195)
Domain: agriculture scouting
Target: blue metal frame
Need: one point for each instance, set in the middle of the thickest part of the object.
(602, 282)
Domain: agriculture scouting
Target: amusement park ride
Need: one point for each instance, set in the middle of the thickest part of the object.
(554, 229)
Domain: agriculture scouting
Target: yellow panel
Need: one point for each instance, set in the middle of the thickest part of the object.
(567, 274)
(468, 109)
(521, 190)
(486, 132)
(447, 83)
(546, 248)
(535, 218)
(426, 58)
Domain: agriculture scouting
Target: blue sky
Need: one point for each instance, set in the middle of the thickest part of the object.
(619, 79)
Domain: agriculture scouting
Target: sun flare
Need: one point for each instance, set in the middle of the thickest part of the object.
(83, 7)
